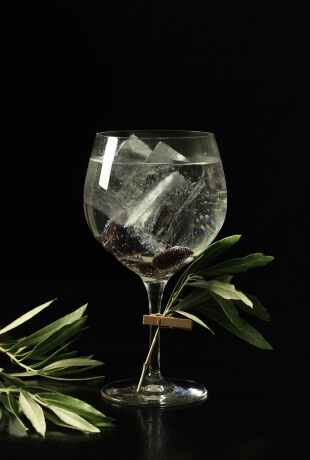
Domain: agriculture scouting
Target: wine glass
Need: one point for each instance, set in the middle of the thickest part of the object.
(155, 200)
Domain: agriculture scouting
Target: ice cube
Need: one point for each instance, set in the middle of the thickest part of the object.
(163, 153)
(184, 216)
(154, 213)
(147, 211)
(135, 182)
(133, 149)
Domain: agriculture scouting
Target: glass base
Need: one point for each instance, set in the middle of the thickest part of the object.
(165, 393)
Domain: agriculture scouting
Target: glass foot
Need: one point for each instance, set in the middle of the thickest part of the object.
(164, 393)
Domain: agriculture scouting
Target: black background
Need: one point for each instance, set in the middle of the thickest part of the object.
(237, 69)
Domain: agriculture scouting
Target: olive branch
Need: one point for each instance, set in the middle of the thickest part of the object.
(45, 354)
(206, 290)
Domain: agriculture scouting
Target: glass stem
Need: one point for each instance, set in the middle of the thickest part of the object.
(155, 290)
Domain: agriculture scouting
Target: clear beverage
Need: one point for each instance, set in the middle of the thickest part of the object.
(156, 217)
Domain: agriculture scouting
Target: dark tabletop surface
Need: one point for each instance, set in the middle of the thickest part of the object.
(252, 425)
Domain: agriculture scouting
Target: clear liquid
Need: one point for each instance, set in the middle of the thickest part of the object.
(155, 218)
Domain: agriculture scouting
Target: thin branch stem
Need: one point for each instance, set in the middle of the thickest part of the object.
(166, 311)
(10, 389)
(175, 296)
(16, 361)
(145, 364)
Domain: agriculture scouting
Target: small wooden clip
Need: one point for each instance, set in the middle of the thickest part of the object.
(167, 321)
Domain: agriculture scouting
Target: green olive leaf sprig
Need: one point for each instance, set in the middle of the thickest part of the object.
(45, 354)
(210, 293)
(206, 290)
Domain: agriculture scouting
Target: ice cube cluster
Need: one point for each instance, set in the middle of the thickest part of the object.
(150, 195)
(134, 149)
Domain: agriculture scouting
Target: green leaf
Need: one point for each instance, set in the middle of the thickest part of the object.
(206, 257)
(33, 412)
(22, 319)
(76, 405)
(66, 363)
(213, 251)
(5, 338)
(238, 265)
(56, 338)
(14, 409)
(73, 420)
(247, 333)
(258, 310)
(48, 349)
(229, 309)
(64, 376)
(55, 420)
(11, 405)
(193, 299)
(67, 371)
(224, 279)
(12, 380)
(57, 355)
(5, 401)
(42, 334)
(195, 318)
(225, 290)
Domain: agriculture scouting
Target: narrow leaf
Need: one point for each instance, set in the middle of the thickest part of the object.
(14, 409)
(224, 278)
(77, 378)
(229, 309)
(206, 257)
(225, 290)
(238, 265)
(74, 420)
(22, 319)
(55, 357)
(194, 298)
(65, 372)
(57, 338)
(12, 380)
(258, 310)
(66, 363)
(212, 252)
(55, 420)
(195, 318)
(247, 333)
(33, 412)
(45, 332)
(5, 401)
(76, 405)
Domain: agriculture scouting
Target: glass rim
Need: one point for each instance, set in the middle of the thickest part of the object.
(156, 134)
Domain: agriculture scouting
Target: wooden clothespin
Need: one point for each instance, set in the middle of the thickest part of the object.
(167, 321)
